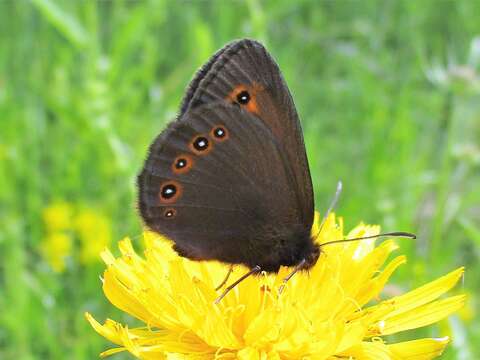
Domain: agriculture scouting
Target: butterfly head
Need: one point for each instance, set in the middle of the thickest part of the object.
(312, 257)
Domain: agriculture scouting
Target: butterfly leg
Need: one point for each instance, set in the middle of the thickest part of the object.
(256, 269)
(289, 276)
(225, 279)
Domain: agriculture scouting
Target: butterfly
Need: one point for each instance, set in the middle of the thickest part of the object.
(228, 179)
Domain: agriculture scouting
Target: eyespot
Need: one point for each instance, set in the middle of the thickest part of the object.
(169, 213)
(243, 97)
(169, 192)
(200, 145)
(182, 164)
(219, 133)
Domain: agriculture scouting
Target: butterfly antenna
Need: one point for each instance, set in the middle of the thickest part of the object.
(225, 279)
(289, 276)
(331, 207)
(391, 234)
(256, 269)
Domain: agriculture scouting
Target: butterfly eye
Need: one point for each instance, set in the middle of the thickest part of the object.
(243, 97)
(200, 145)
(170, 213)
(182, 164)
(169, 192)
(219, 133)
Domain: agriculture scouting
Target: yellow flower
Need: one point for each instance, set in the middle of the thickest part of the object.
(322, 314)
(55, 248)
(94, 232)
(57, 216)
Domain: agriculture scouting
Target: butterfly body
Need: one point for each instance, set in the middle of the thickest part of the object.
(228, 180)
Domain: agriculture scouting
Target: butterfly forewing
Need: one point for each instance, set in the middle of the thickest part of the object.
(243, 72)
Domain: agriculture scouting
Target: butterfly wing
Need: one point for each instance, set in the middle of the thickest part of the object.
(219, 185)
(243, 72)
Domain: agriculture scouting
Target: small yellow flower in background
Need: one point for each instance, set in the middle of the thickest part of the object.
(57, 243)
(64, 223)
(322, 314)
(94, 232)
(55, 248)
(57, 216)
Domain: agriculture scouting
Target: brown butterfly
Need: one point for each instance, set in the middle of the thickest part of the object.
(229, 179)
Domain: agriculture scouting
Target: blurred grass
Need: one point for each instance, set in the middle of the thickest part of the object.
(388, 93)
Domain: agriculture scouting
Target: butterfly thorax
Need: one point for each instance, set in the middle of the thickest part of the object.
(283, 247)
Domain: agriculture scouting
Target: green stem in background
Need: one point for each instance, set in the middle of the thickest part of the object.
(66, 24)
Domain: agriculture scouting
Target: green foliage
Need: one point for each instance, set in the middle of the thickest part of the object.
(388, 93)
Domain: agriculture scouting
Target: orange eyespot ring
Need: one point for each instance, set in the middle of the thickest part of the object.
(169, 213)
(246, 96)
(182, 164)
(169, 192)
(201, 145)
(219, 133)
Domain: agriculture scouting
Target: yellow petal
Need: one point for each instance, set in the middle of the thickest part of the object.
(122, 296)
(111, 352)
(373, 288)
(109, 330)
(248, 353)
(423, 315)
(426, 293)
(421, 349)
(375, 350)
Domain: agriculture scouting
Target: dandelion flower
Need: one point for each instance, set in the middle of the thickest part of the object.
(328, 313)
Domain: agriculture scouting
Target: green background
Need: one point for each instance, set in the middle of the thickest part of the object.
(389, 97)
